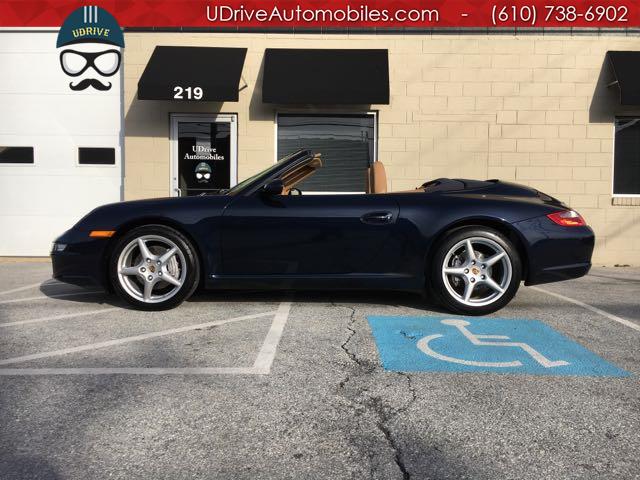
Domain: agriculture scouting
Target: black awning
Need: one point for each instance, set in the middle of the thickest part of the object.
(171, 70)
(626, 68)
(326, 76)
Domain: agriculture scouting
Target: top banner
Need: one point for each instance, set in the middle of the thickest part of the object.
(346, 14)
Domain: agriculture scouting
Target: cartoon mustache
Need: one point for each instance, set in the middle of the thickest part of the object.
(90, 82)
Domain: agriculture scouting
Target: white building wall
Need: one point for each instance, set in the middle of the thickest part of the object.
(37, 108)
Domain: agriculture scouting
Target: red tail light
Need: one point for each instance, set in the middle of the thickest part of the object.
(567, 218)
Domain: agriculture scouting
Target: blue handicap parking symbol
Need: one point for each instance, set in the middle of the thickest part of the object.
(453, 344)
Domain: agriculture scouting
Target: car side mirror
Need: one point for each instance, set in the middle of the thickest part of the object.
(274, 187)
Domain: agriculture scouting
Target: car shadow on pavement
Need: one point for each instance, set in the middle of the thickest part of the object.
(75, 294)
(382, 298)
(394, 299)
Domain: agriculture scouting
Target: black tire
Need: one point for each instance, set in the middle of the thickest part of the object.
(188, 253)
(442, 293)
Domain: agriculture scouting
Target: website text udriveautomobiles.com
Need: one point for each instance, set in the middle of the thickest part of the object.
(297, 14)
(536, 14)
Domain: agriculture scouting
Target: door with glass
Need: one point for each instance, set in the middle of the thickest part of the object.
(204, 154)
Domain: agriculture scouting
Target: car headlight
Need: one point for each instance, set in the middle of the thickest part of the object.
(58, 247)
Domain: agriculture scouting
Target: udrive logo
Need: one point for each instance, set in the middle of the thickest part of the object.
(89, 44)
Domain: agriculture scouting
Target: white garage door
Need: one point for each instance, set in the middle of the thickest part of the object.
(60, 150)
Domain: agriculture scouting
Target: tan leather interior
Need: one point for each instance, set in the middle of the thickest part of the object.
(292, 178)
(376, 178)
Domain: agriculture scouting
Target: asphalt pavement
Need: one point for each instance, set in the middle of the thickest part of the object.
(250, 385)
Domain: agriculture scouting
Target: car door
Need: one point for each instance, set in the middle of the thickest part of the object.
(310, 235)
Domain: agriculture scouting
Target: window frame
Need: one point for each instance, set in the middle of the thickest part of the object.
(21, 164)
(99, 165)
(613, 158)
(176, 117)
(373, 113)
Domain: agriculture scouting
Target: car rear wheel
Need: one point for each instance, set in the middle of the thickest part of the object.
(154, 268)
(475, 271)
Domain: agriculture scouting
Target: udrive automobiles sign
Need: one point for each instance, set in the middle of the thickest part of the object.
(344, 14)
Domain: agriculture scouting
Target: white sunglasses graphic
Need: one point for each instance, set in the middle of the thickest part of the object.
(75, 63)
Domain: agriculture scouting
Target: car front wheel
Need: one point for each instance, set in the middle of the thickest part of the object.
(154, 268)
(476, 270)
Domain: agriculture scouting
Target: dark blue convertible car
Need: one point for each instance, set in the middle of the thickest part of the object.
(467, 243)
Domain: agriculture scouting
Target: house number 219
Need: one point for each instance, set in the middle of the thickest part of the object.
(188, 93)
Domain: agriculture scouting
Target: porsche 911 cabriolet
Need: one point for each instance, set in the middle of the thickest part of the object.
(466, 243)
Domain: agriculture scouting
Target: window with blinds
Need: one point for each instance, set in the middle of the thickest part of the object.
(626, 163)
(346, 143)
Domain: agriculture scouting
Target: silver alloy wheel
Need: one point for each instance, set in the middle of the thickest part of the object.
(477, 271)
(151, 268)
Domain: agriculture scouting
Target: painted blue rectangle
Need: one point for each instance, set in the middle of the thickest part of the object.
(489, 345)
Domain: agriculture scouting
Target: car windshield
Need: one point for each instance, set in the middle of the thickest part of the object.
(237, 188)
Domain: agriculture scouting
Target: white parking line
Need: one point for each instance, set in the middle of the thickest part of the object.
(43, 297)
(121, 341)
(267, 353)
(58, 317)
(610, 316)
(131, 371)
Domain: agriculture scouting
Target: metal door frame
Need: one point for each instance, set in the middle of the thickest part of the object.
(175, 118)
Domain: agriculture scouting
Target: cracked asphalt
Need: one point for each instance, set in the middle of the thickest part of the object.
(326, 410)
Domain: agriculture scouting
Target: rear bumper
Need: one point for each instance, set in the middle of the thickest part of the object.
(555, 253)
(558, 273)
(81, 262)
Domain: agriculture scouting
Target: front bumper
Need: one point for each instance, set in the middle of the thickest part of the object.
(82, 261)
(555, 253)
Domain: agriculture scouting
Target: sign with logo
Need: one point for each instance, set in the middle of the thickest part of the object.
(204, 157)
(482, 345)
(89, 44)
(381, 14)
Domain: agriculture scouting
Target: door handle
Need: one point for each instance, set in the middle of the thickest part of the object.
(377, 218)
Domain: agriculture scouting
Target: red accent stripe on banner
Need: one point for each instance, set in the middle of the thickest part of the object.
(379, 14)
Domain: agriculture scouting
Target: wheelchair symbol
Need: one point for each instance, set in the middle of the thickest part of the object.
(423, 345)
